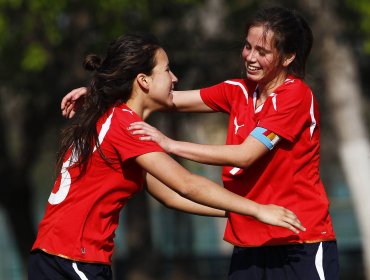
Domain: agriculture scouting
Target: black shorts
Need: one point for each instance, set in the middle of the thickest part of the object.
(311, 261)
(43, 266)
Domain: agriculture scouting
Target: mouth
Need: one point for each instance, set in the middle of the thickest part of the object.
(251, 68)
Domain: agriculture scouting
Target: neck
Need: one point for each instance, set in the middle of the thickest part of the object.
(137, 105)
(265, 89)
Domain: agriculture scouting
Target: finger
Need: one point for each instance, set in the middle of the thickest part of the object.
(295, 223)
(67, 110)
(146, 138)
(137, 125)
(71, 114)
(73, 96)
(290, 227)
(292, 219)
(139, 131)
(67, 99)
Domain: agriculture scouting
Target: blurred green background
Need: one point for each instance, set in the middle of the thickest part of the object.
(42, 46)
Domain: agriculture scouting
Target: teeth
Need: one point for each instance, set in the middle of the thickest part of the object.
(252, 68)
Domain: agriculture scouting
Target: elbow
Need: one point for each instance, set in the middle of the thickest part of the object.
(170, 203)
(189, 187)
(243, 163)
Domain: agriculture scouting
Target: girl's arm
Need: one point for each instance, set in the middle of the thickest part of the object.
(189, 101)
(172, 199)
(201, 190)
(242, 155)
(184, 101)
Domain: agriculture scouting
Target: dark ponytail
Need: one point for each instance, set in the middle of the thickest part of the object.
(110, 85)
(92, 62)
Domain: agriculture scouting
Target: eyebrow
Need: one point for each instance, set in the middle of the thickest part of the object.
(259, 48)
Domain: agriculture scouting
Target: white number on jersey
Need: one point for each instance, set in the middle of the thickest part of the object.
(65, 182)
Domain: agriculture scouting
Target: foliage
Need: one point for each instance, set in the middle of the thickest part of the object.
(33, 33)
(362, 9)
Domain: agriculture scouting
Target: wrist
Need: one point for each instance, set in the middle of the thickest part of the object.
(172, 147)
(255, 210)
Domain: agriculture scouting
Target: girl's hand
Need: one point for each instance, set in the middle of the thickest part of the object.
(279, 216)
(72, 101)
(150, 133)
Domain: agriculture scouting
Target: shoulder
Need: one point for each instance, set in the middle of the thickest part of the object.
(125, 115)
(294, 89)
(296, 85)
(242, 84)
(118, 119)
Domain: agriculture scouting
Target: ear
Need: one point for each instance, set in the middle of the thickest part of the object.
(288, 59)
(142, 80)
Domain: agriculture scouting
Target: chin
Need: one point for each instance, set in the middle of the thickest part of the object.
(253, 78)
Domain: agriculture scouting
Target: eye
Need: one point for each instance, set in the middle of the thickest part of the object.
(247, 46)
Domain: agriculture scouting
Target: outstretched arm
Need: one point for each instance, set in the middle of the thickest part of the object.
(189, 101)
(242, 155)
(206, 192)
(184, 101)
(172, 199)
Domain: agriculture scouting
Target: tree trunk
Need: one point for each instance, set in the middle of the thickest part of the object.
(341, 75)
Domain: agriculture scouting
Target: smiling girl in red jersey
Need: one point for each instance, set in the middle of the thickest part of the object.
(272, 152)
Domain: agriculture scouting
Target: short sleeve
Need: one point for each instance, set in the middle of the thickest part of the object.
(125, 143)
(288, 112)
(217, 97)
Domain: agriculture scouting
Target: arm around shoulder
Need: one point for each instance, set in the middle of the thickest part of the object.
(189, 101)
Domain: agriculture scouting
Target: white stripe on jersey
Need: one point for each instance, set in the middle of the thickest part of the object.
(234, 170)
(313, 120)
(241, 86)
(79, 272)
(319, 261)
(273, 100)
(104, 129)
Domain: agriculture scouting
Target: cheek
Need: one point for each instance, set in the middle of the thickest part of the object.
(245, 53)
(267, 63)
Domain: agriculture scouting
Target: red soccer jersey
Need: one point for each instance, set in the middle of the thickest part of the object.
(289, 174)
(82, 214)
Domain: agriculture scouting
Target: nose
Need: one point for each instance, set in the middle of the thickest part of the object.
(248, 54)
(174, 78)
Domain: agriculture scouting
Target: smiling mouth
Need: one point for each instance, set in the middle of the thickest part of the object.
(253, 68)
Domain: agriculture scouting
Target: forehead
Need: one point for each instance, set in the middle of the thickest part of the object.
(161, 58)
(260, 36)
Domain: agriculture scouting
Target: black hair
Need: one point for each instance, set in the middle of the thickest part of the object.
(111, 84)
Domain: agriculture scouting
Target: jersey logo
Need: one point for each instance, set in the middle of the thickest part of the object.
(125, 110)
(289, 81)
(237, 126)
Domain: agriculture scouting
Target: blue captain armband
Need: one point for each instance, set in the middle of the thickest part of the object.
(265, 136)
